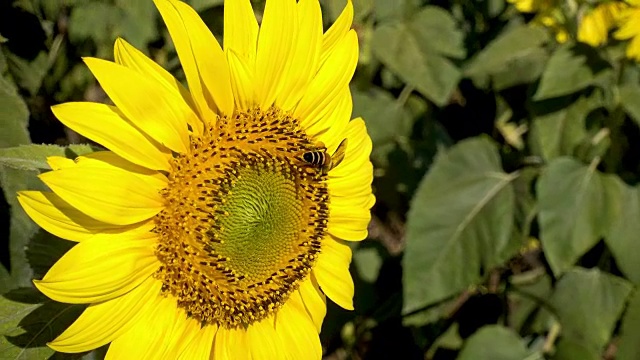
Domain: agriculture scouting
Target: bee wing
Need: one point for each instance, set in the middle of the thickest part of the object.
(338, 156)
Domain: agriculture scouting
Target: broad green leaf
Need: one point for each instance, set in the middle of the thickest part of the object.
(385, 116)
(386, 10)
(588, 304)
(21, 227)
(416, 50)
(629, 95)
(19, 168)
(333, 8)
(137, 23)
(28, 74)
(460, 223)
(14, 116)
(558, 133)
(571, 349)
(565, 73)
(509, 55)
(368, 262)
(93, 20)
(34, 157)
(200, 5)
(25, 328)
(521, 70)
(629, 345)
(577, 206)
(495, 342)
(623, 239)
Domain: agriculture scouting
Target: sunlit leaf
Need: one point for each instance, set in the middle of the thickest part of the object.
(558, 133)
(514, 57)
(629, 345)
(496, 342)
(459, 224)
(623, 237)
(34, 157)
(577, 207)
(588, 304)
(416, 50)
(25, 328)
(629, 95)
(565, 73)
(14, 116)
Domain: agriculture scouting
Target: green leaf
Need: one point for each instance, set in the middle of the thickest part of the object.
(629, 94)
(19, 168)
(511, 53)
(25, 328)
(558, 133)
(460, 223)
(495, 342)
(138, 22)
(577, 207)
(629, 345)
(622, 239)
(200, 5)
(93, 20)
(14, 116)
(385, 116)
(386, 10)
(34, 157)
(565, 73)
(588, 304)
(28, 74)
(417, 49)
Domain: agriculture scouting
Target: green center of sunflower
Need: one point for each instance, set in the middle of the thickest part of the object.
(244, 219)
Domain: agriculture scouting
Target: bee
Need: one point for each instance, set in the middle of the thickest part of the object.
(321, 159)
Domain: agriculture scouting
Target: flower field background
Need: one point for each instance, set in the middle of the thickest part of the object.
(506, 140)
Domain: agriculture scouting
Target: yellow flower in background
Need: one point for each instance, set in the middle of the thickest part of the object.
(547, 14)
(554, 22)
(532, 6)
(629, 29)
(216, 223)
(595, 25)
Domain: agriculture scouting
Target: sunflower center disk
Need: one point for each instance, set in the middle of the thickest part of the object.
(244, 219)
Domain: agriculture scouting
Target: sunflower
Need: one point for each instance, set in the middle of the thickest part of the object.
(216, 222)
(629, 23)
(595, 25)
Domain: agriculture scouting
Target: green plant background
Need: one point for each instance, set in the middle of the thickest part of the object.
(507, 223)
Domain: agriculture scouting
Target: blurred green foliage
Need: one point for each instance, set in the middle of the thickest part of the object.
(506, 174)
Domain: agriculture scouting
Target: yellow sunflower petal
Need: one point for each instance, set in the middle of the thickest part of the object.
(349, 222)
(201, 345)
(334, 75)
(100, 269)
(231, 344)
(201, 56)
(61, 219)
(358, 150)
(297, 332)
(303, 62)
(107, 126)
(156, 111)
(127, 55)
(242, 81)
(330, 127)
(111, 195)
(315, 302)
(148, 337)
(332, 272)
(103, 322)
(275, 43)
(59, 162)
(240, 29)
(108, 160)
(337, 31)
